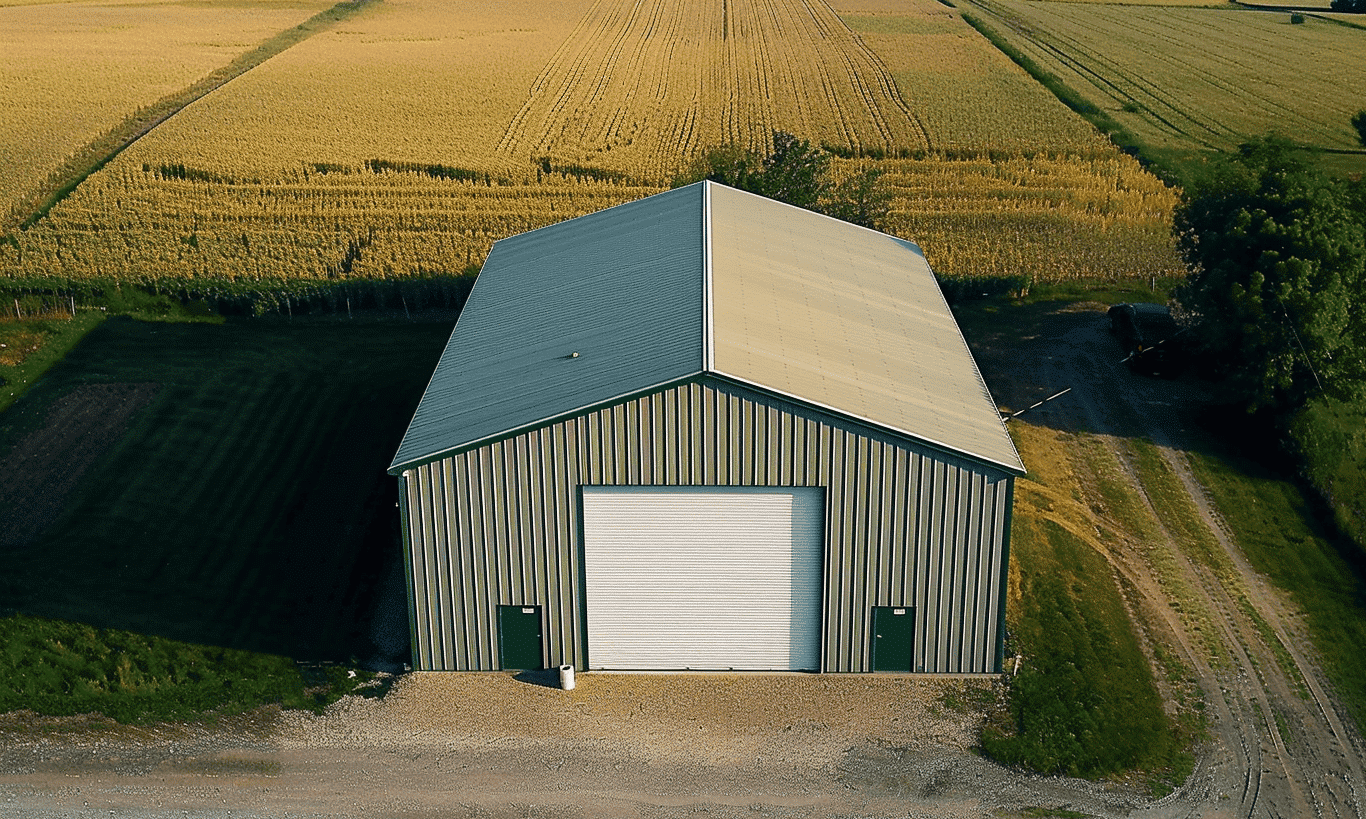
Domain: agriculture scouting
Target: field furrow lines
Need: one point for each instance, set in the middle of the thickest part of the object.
(1206, 77)
(757, 65)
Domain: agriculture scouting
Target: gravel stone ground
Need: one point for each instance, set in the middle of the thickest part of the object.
(491, 745)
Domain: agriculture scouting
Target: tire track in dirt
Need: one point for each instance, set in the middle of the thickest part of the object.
(1272, 752)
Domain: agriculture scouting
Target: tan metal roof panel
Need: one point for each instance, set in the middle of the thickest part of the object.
(848, 319)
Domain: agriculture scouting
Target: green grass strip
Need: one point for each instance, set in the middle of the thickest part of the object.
(1275, 528)
(1085, 703)
(53, 339)
(59, 668)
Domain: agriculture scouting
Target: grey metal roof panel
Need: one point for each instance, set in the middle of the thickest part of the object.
(621, 287)
(848, 319)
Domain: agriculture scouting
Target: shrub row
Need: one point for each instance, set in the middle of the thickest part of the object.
(282, 296)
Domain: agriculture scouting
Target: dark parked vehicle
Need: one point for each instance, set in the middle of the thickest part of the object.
(1151, 338)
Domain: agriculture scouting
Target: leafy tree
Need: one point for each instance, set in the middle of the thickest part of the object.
(1359, 123)
(797, 173)
(1352, 6)
(861, 199)
(1277, 253)
(726, 164)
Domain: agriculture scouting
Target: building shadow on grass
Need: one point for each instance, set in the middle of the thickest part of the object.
(246, 505)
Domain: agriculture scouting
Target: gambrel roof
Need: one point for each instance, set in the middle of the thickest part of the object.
(707, 280)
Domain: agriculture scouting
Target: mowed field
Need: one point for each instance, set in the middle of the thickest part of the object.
(222, 485)
(406, 140)
(1194, 79)
(970, 98)
(71, 71)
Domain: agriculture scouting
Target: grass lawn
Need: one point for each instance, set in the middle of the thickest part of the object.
(30, 347)
(245, 506)
(1324, 573)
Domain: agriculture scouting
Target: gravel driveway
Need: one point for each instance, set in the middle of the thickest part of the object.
(489, 745)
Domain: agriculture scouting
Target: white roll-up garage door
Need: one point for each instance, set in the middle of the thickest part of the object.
(707, 578)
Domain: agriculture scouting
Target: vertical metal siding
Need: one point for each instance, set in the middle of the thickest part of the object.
(905, 525)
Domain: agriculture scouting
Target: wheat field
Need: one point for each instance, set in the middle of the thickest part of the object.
(968, 95)
(408, 139)
(405, 80)
(641, 83)
(70, 71)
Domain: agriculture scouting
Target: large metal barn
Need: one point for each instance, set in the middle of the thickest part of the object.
(708, 431)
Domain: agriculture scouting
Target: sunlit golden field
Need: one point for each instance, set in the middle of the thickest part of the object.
(1046, 218)
(70, 71)
(404, 80)
(641, 83)
(408, 138)
(136, 226)
(967, 94)
(1050, 219)
(1198, 77)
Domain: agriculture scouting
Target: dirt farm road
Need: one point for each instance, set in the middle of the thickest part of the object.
(1280, 746)
(488, 745)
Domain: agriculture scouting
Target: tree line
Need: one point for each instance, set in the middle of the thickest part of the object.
(1277, 289)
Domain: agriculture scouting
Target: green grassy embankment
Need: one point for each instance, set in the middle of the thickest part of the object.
(1086, 701)
(58, 668)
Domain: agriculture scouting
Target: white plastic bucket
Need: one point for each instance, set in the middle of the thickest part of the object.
(567, 677)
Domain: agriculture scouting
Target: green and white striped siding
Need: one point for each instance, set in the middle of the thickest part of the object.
(907, 524)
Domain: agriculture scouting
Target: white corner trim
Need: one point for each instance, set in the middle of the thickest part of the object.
(708, 336)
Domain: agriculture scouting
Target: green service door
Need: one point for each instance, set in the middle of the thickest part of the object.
(519, 637)
(893, 637)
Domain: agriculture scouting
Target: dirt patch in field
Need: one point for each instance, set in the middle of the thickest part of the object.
(38, 474)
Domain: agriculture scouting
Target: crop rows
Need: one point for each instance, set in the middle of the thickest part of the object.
(139, 226)
(405, 142)
(968, 95)
(1050, 218)
(641, 83)
(417, 81)
(1203, 78)
(130, 55)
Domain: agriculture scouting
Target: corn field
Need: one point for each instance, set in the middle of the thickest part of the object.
(1049, 218)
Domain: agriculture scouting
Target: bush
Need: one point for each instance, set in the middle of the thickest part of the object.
(798, 174)
(58, 668)
(1330, 440)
